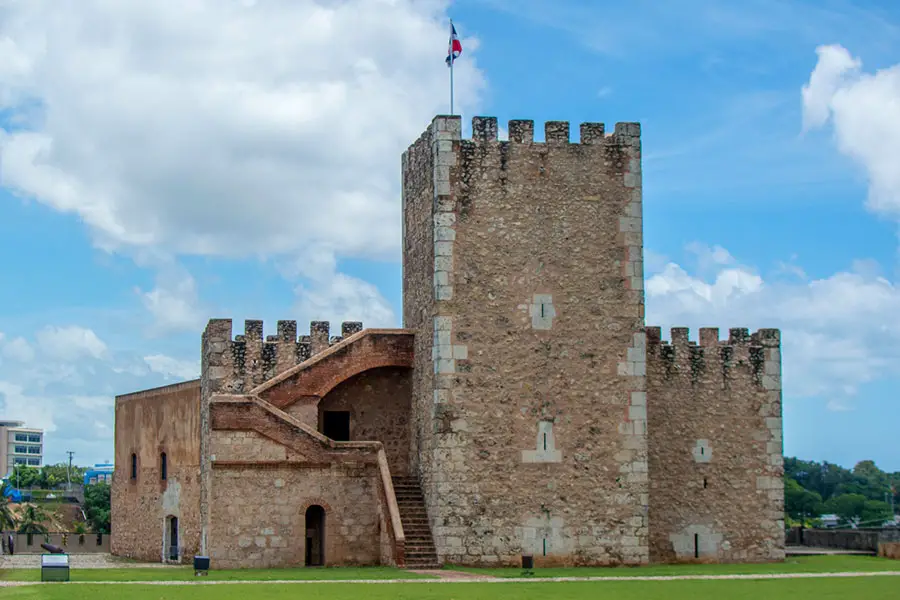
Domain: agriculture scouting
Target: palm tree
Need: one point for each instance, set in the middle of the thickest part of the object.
(7, 518)
(33, 520)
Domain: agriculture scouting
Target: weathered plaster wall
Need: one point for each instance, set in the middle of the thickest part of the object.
(148, 423)
(716, 490)
(536, 326)
(378, 401)
(260, 493)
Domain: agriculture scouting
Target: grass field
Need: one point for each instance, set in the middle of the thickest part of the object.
(804, 564)
(187, 574)
(870, 588)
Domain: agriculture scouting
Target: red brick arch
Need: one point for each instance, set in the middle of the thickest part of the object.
(375, 348)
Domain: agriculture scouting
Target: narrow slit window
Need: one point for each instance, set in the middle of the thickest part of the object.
(134, 466)
(696, 545)
(163, 467)
(545, 441)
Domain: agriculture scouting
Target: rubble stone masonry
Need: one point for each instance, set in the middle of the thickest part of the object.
(716, 487)
(147, 424)
(378, 403)
(523, 280)
(525, 393)
(261, 491)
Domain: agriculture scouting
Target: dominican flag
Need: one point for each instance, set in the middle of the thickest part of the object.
(455, 48)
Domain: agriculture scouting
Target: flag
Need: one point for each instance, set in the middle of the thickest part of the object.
(455, 48)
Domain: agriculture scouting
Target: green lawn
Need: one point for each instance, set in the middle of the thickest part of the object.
(870, 588)
(187, 574)
(793, 564)
(805, 564)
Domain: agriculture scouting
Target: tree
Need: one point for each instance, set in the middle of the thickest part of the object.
(7, 518)
(33, 520)
(875, 513)
(849, 507)
(24, 477)
(800, 504)
(97, 506)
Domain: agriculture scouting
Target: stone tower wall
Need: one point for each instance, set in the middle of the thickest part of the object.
(523, 280)
(715, 440)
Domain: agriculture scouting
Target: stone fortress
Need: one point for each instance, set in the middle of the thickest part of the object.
(524, 408)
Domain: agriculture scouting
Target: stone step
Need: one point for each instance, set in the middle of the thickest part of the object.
(419, 551)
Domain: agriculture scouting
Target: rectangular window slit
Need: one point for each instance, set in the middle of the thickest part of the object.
(542, 310)
(545, 546)
(704, 483)
(696, 545)
(545, 441)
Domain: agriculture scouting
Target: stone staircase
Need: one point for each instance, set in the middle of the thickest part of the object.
(420, 551)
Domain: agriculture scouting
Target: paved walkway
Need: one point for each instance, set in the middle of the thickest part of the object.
(463, 580)
(812, 551)
(77, 561)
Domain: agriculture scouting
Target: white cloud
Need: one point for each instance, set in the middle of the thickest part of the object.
(340, 297)
(838, 332)
(71, 343)
(174, 304)
(35, 411)
(18, 349)
(225, 128)
(172, 368)
(864, 112)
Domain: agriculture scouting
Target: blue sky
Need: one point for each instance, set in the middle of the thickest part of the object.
(161, 168)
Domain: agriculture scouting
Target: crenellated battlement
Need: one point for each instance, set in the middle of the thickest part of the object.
(253, 360)
(709, 336)
(521, 131)
(715, 359)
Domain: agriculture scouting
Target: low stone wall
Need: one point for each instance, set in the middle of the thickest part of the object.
(889, 550)
(72, 543)
(846, 539)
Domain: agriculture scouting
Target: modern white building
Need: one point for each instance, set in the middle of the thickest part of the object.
(20, 445)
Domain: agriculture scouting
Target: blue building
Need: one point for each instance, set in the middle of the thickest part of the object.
(99, 473)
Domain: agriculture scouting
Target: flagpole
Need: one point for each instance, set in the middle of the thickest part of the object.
(451, 67)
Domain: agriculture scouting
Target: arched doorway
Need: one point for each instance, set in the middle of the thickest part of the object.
(315, 536)
(170, 543)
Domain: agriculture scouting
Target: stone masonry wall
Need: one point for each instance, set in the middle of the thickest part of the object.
(237, 365)
(418, 196)
(716, 491)
(258, 511)
(534, 420)
(147, 424)
(378, 401)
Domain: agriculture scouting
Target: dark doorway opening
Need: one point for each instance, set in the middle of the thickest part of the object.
(172, 546)
(315, 536)
(336, 425)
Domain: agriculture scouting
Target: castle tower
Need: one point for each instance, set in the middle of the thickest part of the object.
(523, 279)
